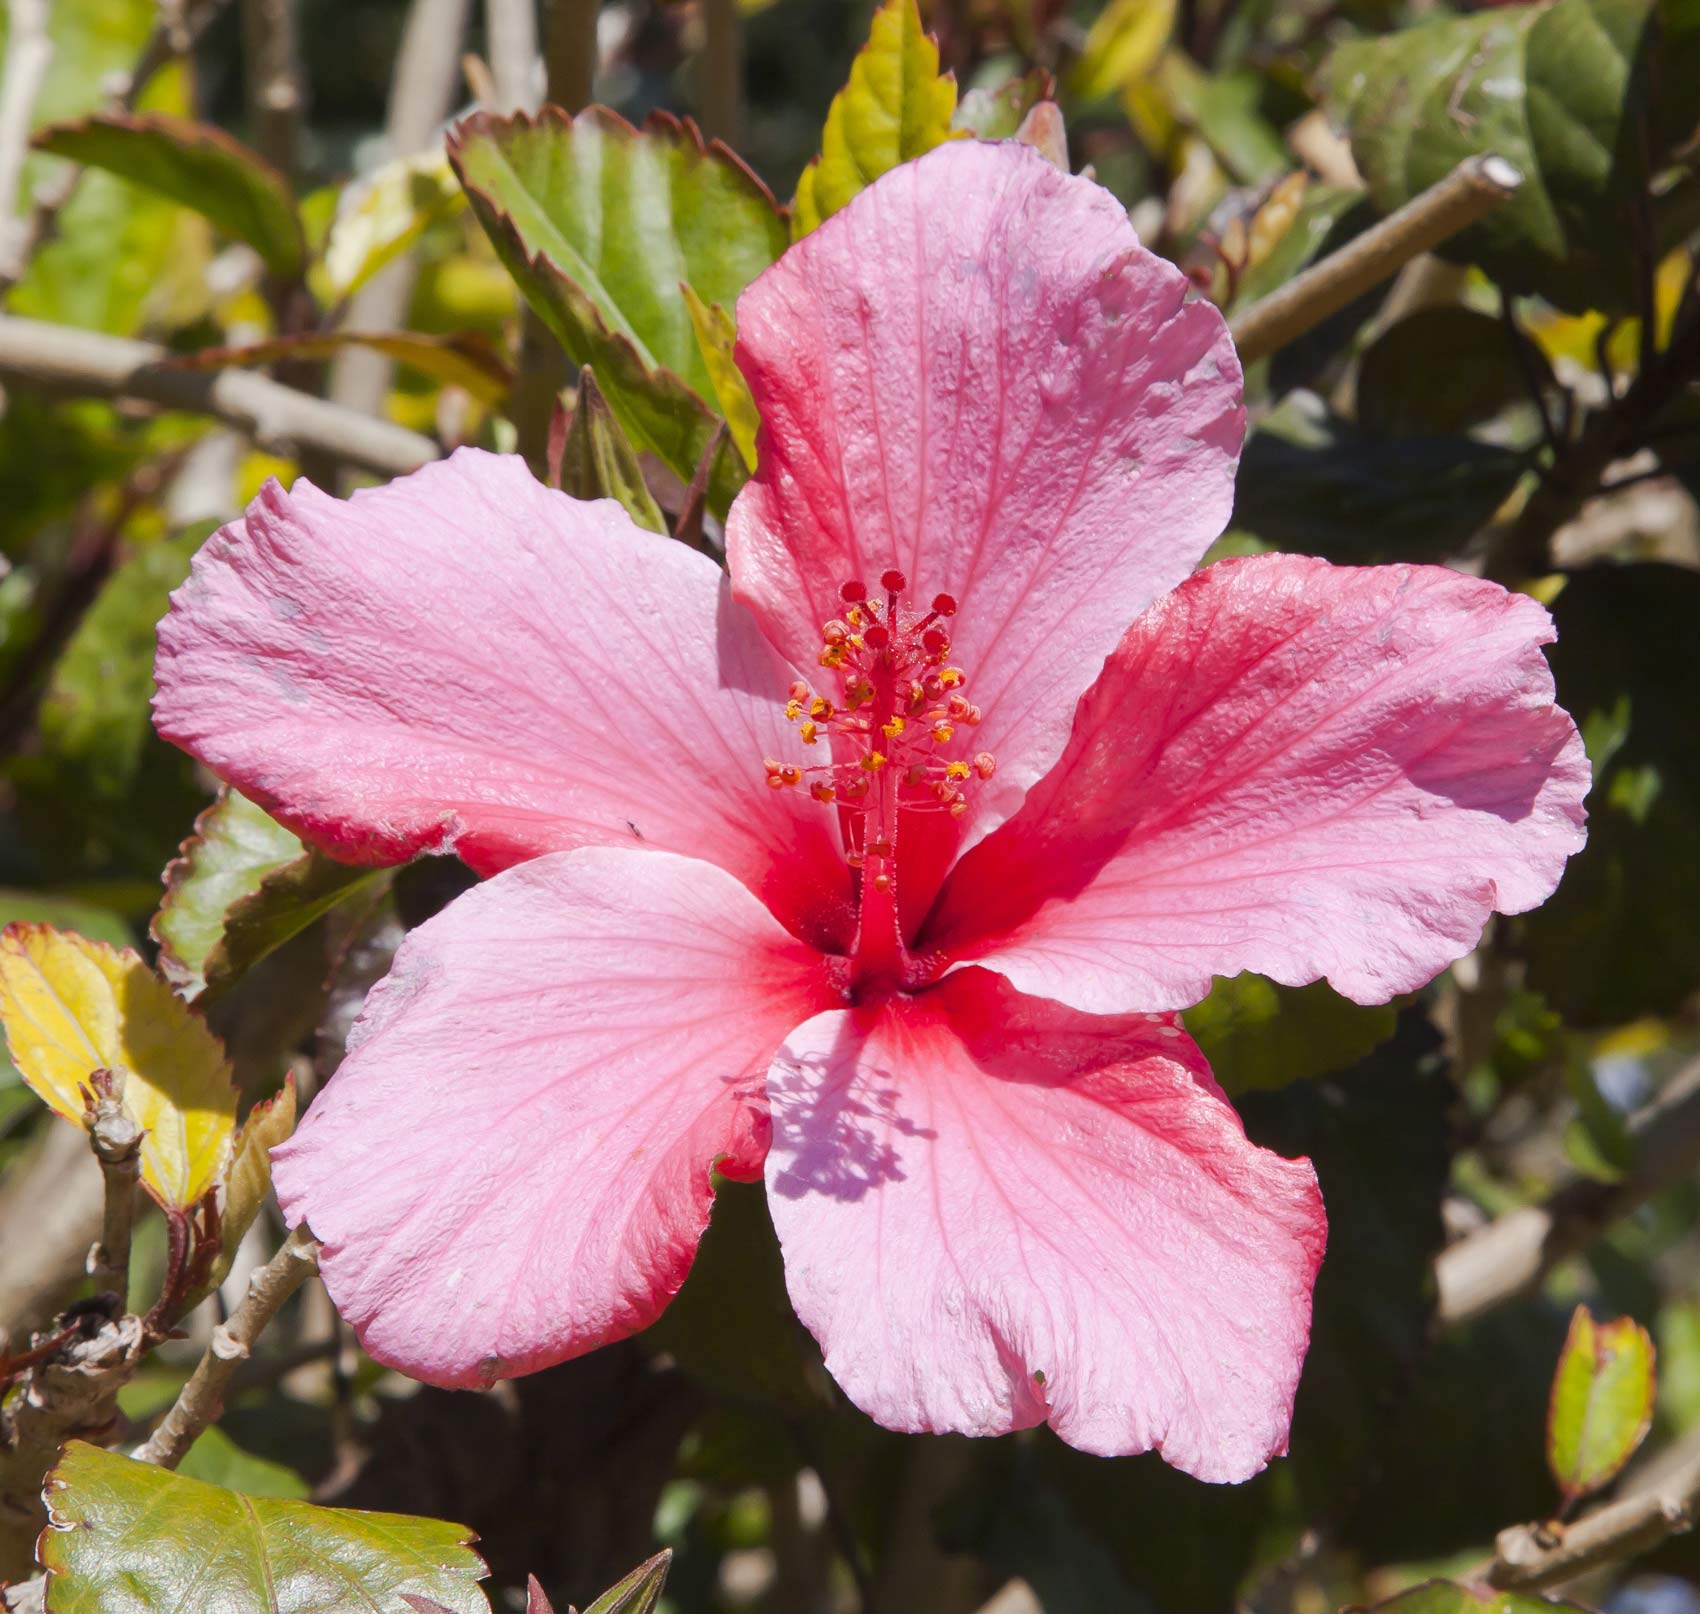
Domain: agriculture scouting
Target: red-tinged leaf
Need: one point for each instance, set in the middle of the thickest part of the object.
(195, 164)
(1602, 1403)
(468, 359)
(535, 1601)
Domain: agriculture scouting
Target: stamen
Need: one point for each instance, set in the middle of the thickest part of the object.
(896, 705)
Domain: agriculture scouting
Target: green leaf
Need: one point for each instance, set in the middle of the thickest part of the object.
(234, 846)
(716, 335)
(995, 112)
(1443, 370)
(197, 165)
(468, 359)
(1259, 1035)
(1602, 1403)
(130, 1538)
(1312, 483)
(1447, 1597)
(597, 460)
(600, 223)
(1223, 111)
(896, 105)
(1621, 935)
(636, 1593)
(241, 887)
(1560, 91)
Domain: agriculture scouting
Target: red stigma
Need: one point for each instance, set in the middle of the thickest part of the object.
(852, 593)
(893, 582)
(944, 604)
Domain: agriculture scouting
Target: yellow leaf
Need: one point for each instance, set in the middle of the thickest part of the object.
(380, 216)
(71, 1007)
(1121, 46)
(715, 335)
(896, 106)
(1272, 221)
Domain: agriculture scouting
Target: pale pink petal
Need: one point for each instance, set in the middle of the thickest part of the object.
(512, 1166)
(996, 1212)
(1288, 767)
(465, 660)
(975, 373)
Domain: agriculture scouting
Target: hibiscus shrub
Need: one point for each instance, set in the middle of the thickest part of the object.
(978, 892)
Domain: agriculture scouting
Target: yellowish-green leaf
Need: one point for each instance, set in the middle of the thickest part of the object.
(1602, 1402)
(596, 460)
(716, 334)
(465, 359)
(1122, 45)
(71, 1007)
(380, 217)
(131, 1538)
(897, 105)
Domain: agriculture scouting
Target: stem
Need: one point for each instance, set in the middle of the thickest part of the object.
(1473, 189)
(570, 52)
(202, 1398)
(511, 27)
(721, 90)
(1527, 1559)
(117, 1143)
(277, 96)
(87, 364)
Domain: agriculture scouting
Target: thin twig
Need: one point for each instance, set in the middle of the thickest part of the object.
(1512, 1254)
(721, 88)
(117, 1143)
(515, 63)
(1531, 1557)
(277, 95)
(29, 54)
(1472, 190)
(569, 52)
(87, 364)
(202, 1398)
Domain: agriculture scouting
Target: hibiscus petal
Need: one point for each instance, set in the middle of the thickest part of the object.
(466, 660)
(512, 1165)
(1289, 767)
(975, 373)
(996, 1212)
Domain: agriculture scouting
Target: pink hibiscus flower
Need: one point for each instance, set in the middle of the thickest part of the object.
(879, 866)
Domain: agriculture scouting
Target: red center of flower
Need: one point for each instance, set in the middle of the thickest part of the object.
(895, 716)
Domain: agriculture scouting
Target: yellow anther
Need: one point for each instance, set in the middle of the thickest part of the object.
(791, 775)
(854, 616)
(957, 770)
(874, 761)
(820, 708)
(943, 733)
(950, 677)
(855, 641)
(832, 655)
(808, 731)
(793, 710)
(893, 727)
(823, 792)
